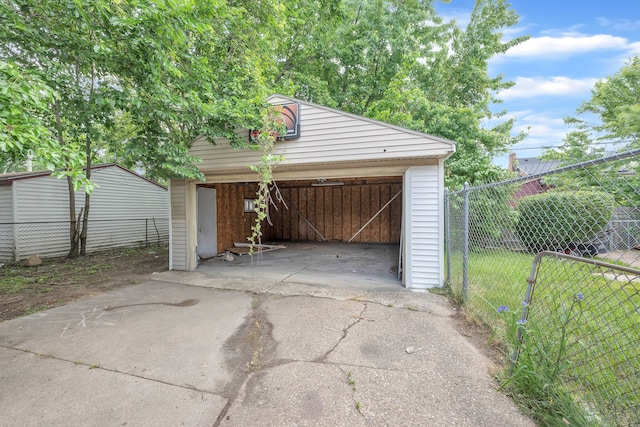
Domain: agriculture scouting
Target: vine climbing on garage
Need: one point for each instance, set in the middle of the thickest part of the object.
(264, 142)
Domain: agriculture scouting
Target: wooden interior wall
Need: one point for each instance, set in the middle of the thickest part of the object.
(234, 224)
(338, 212)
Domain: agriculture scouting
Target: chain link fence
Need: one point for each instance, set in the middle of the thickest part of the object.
(50, 239)
(581, 298)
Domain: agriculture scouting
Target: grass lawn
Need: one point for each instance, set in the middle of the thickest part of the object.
(579, 361)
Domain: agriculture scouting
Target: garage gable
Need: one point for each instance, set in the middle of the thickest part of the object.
(327, 136)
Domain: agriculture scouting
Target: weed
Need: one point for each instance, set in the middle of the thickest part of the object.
(351, 381)
(31, 310)
(411, 307)
(358, 406)
(13, 284)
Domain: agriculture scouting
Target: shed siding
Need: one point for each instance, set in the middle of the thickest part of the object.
(126, 210)
(42, 214)
(7, 251)
(423, 230)
(178, 246)
(120, 205)
(327, 136)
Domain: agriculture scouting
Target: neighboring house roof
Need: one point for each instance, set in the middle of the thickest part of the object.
(531, 166)
(8, 178)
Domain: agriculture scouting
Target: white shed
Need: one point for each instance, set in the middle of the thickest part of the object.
(126, 210)
(339, 171)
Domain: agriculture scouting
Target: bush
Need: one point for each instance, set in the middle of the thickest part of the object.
(554, 220)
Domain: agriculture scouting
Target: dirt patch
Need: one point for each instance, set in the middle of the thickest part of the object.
(26, 290)
(482, 338)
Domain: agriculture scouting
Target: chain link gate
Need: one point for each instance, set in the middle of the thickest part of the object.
(582, 235)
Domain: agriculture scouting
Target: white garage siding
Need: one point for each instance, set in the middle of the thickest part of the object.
(178, 240)
(327, 136)
(423, 227)
(6, 226)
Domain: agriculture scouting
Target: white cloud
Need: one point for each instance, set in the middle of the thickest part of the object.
(634, 49)
(461, 16)
(568, 44)
(531, 87)
(618, 24)
(544, 130)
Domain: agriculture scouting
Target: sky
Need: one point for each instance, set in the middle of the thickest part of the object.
(573, 44)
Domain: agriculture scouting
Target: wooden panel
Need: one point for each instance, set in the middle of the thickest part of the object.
(355, 213)
(346, 214)
(336, 212)
(295, 218)
(336, 200)
(384, 226)
(339, 212)
(374, 227)
(234, 225)
(285, 215)
(395, 214)
(319, 222)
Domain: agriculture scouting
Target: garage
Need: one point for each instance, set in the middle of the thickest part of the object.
(344, 178)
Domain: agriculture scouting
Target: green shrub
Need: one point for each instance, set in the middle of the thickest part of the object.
(554, 220)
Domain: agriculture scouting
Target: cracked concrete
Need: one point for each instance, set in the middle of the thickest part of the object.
(247, 352)
(345, 363)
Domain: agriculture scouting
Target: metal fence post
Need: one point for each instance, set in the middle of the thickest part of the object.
(146, 232)
(465, 244)
(447, 234)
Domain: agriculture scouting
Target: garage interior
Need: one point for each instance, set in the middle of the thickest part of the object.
(331, 227)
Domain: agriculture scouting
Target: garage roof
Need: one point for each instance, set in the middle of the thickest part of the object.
(328, 137)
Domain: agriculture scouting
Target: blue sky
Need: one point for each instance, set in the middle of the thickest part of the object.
(573, 44)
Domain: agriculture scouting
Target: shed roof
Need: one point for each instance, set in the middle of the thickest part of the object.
(532, 165)
(8, 178)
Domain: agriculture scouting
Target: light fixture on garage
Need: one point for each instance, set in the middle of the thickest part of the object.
(325, 183)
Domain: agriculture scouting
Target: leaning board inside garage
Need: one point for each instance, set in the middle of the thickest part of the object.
(336, 213)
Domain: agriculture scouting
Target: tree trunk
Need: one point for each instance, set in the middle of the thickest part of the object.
(85, 217)
(73, 223)
(89, 155)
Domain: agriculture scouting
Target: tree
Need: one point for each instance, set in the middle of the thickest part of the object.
(616, 102)
(165, 72)
(23, 98)
(616, 106)
(396, 61)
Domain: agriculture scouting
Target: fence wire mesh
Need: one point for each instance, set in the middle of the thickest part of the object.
(50, 239)
(589, 211)
(582, 330)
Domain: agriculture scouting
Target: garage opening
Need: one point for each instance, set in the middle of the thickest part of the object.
(351, 218)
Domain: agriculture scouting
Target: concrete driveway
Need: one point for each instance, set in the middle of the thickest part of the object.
(192, 349)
